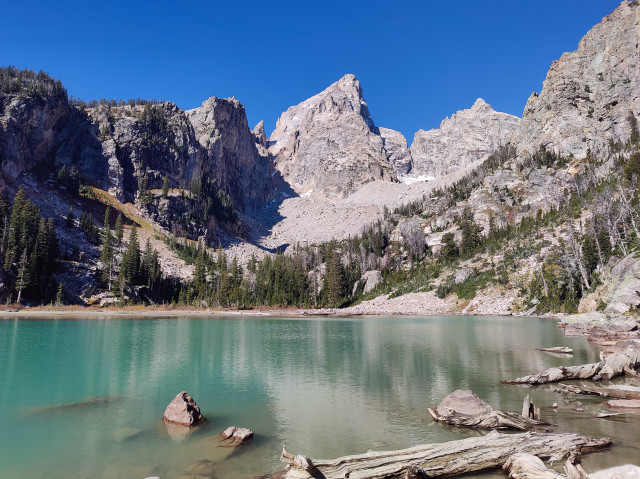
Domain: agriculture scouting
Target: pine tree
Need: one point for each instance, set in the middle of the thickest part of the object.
(130, 267)
(449, 249)
(15, 229)
(23, 279)
(106, 255)
(118, 228)
(60, 296)
(70, 223)
(165, 186)
(199, 282)
(334, 284)
(470, 233)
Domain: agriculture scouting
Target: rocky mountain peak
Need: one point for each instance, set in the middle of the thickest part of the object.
(259, 133)
(588, 94)
(481, 105)
(329, 145)
(463, 141)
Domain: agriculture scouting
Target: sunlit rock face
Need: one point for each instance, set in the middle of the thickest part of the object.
(588, 95)
(398, 153)
(462, 142)
(328, 145)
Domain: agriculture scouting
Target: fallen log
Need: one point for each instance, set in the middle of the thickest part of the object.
(439, 460)
(527, 466)
(617, 392)
(557, 350)
(465, 409)
(492, 420)
(614, 365)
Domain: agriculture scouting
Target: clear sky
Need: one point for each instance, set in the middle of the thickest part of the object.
(418, 61)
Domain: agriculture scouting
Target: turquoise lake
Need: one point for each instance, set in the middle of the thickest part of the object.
(85, 398)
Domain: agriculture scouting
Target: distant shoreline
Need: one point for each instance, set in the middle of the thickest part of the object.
(151, 311)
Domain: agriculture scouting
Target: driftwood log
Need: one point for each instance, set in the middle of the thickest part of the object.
(463, 408)
(617, 392)
(527, 466)
(491, 420)
(439, 460)
(614, 365)
(557, 350)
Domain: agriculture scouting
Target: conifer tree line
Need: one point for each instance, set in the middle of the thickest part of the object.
(29, 249)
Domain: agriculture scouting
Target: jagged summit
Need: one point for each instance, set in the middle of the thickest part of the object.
(588, 94)
(329, 145)
(463, 140)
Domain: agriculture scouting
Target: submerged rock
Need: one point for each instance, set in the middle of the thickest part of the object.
(183, 410)
(200, 470)
(238, 435)
(463, 402)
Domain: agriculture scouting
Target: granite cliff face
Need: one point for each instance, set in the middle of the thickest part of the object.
(328, 145)
(151, 140)
(398, 153)
(30, 127)
(462, 142)
(589, 93)
(120, 148)
(230, 152)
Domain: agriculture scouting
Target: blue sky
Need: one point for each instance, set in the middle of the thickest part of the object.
(417, 61)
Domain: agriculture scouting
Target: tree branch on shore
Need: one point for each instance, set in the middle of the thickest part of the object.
(439, 460)
(614, 365)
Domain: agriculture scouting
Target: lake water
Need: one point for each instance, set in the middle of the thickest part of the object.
(323, 387)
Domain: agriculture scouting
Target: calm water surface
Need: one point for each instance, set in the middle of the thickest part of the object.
(85, 398)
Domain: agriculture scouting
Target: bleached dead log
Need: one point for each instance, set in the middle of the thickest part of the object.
(557, 350)
(465, 409)
(439, 460)
(617, 392)
(491, 420)
(610, 367)
(527, 466)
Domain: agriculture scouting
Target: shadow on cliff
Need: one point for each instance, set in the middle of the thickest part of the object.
(263, 220)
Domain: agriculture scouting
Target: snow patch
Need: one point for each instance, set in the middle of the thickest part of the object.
(408, 180)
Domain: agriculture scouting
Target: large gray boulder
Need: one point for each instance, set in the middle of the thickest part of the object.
(624, 286)
(463, 402)
(328, 146)
(183, 410)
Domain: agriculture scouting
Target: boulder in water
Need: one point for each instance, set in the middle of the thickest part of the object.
(238, 435)
(183, 410)
(463, 402)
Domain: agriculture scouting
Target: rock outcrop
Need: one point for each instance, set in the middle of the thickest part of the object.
(123, 147)
(462, 142)
(589, 93)
(30, 122)
(230, 152)
(152, 140)
(328, 145)
(398, 153)
(183, 410)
